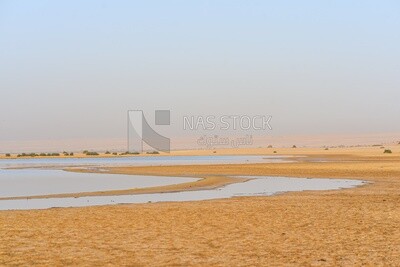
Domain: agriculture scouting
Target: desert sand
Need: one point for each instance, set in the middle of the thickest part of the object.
(349, 227)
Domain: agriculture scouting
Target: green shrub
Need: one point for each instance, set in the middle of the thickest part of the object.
(294, 146)
(388, 151)
(8, 155)
(71, 154)
(107, 152)
(115, 153)
(85, 151)
(275, 152)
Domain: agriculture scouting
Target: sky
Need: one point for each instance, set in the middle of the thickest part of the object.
(72, 69)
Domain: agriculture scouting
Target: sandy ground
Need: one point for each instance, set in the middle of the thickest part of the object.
(351, 227)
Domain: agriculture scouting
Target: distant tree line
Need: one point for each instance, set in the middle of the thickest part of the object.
(37, 155)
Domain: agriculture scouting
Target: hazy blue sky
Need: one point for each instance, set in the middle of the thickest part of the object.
(71, 69)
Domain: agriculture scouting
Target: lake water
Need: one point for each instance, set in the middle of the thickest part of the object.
(46, 181)
(258, 186)
(138, 161)
(38, 182)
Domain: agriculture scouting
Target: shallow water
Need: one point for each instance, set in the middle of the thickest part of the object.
(138, 161)
(37, 182)
(258, 186)
(47, 179)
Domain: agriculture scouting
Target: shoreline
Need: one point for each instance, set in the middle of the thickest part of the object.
(280, 151)
(215, 176)
(211, 176)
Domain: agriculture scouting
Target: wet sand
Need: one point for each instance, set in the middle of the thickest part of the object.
(349, 227)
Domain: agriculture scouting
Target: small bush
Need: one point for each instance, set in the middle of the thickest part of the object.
(71, 154)
(152, 152)
(275, 152)
(115, 153)
(8, 155)
(92, 154)
(85, 151)
(107, 152)
(43, 154)
(270, 146)
(294, 146)
(388, 151)
(55, 154)
(130, 153)
(326, 148)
